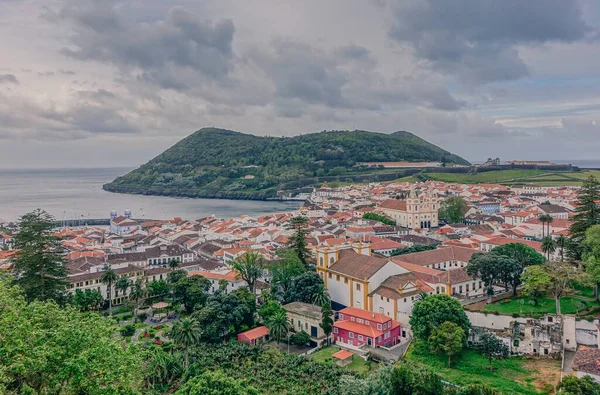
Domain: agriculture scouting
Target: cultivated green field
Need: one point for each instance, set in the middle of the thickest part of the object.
(517, 177)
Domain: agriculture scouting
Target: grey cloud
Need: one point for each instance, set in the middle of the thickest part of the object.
(9, 79)
(160, 50)
(477, 40)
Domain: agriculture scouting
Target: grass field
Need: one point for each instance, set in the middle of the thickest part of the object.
(568, 305)
(516, 177)
(358, 364)
(515, 375)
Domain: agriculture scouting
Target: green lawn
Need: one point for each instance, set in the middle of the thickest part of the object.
(485, 177)
(518, 177)
(568, 305)
(510, 376)
(358, 364)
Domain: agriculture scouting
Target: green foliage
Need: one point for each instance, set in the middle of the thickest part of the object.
(279, 326)
(216, 383)
(477, 389)
(433, 311)
(191, 291)
(39, 266)
(381, 218)
(492, 268)
(572, 385)
(215, 162)
(267, 369)
(587, 215)
(304, 288)
(453, 209)
(48, 349)
(128, 330)
(225, 313)
(491, 347)
(413, 249)
(510, 376)
(326, 319)
(268, 309)
(250, 268)
(87, 300)
(284, 271)
(186, 333)
(300, 339)
(158, 288)
(448, 339)
(553, 277)
(410, 380)
(297, 241)
(548, 246)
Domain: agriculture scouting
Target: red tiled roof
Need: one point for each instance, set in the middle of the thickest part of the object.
(364, 314)
(255, 333)
(394, 204)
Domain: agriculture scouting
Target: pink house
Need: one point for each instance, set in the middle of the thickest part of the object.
(357, 327)
(254, 336)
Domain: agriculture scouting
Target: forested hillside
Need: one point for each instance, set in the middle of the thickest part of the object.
(223, 163)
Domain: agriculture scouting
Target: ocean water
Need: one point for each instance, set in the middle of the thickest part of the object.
(78, 194)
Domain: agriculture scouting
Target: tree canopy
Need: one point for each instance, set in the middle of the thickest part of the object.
(587, 214)
(434, 310)
(47, 348)
(39, 264)
(448, 339)
(453, 209)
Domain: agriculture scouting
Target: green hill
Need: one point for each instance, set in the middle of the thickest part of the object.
(226, 164)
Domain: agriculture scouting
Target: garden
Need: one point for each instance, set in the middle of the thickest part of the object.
(358, 364)
(580, 302)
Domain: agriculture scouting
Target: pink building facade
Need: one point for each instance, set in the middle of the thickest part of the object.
(356, 327)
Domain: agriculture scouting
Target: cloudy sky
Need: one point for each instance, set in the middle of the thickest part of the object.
(111, 83)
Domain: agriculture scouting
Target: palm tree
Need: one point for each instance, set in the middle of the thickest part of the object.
(548, 246)
(137, 293)
(560, 242)
(109, 277)
(186, 333)
(321, 296)
(173, 263)
(549, 220)
(249, 267)
(543, 219)
(123, 284)
(278, 325)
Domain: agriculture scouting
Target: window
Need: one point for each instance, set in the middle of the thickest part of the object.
(337, 278)
(351, 335)
(386, 335)
(381, 297)
(352, 319)
(467, 288)
(379, 339)
(404, 300)
(331, 260)
(335, 329)
(360, 337)
(358, 287)
(379, 328)
(329, 275)
(453, 290)
(306, 325)
(460, 289)
(360, 320)
(345, 280)
(549, 319)
(321, 261)
(368, 323)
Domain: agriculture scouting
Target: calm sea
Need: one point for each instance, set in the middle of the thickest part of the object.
(78, 194)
